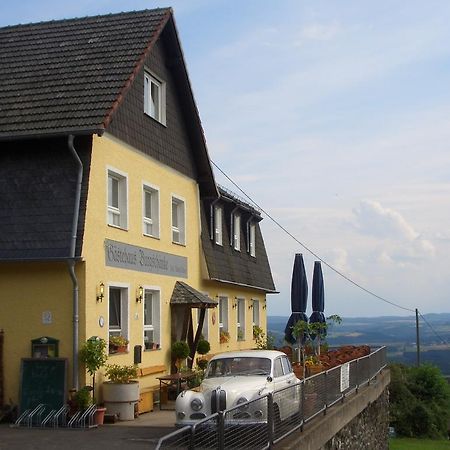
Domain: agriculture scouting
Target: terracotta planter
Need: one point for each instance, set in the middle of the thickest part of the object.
(100, 415)
(313, 369)
(298, 370)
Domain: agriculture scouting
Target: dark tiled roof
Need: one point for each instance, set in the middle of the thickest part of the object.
(183, 294)
(236, 267)
(69, 75)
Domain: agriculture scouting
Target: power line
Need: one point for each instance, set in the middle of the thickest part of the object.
(367, 291)
(432, 328)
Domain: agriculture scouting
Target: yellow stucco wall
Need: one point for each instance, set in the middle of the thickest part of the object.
(30, 289)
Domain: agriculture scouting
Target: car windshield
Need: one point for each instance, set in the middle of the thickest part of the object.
(225, 367)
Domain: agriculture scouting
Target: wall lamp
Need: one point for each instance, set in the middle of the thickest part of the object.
(265, 306)
(234, 305)
(250, 306)
(140, 294)
(101, 293)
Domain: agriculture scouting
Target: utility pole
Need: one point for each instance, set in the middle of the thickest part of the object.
(417, 338)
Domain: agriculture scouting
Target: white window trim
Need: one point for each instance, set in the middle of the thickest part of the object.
(240, 326)
(149, 78)
(256, 307)
(158, 290)
(224, 324)
(218, 225)
(180, 230)
(155, 190)
(252, 239)
(237, 232)
(123, 210)
(125, 313)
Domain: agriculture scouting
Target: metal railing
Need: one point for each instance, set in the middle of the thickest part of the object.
(224, 430)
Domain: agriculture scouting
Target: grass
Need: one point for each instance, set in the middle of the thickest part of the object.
(418, 444)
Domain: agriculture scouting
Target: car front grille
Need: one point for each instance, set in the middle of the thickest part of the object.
(218, 400)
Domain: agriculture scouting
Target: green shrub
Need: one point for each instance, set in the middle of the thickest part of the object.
(419, 401)
(203, 347)
(180, 350)
(121, 374)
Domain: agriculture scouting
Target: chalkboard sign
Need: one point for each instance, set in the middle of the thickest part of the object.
(43, 381)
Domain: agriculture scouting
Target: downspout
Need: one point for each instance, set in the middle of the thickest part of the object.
(71, 263)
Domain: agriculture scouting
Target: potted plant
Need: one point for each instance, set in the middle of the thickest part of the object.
(301, 333)
(319, 330)
(117, 344)
(203, 347)
(93, 355)
(224, 336)
(121, 391)
(82, 398)
(180, 351)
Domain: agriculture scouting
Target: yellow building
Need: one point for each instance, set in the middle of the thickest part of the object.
(111, 221)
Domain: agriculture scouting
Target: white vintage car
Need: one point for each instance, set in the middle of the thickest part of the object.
(237, 379)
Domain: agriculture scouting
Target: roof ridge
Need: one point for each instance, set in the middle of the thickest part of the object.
(74, 19)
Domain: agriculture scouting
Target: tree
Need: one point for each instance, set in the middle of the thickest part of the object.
(419, 401)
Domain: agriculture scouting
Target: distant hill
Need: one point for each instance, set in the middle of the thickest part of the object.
(397, 333)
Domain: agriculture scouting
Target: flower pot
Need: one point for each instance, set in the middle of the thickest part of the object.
(298, 370)
(120, 399)
(99, 416)
(313, 369)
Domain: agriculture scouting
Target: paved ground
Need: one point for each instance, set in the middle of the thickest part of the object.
(141, 433)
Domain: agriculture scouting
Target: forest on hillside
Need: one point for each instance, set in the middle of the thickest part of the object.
(397, 333)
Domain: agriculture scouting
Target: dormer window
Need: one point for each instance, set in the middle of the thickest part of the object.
(237, 232)
(252, 239)
(218, 234)
(155, 98)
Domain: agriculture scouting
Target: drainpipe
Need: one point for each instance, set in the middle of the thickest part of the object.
(71, 261)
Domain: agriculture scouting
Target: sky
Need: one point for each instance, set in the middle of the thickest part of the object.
(333, 116)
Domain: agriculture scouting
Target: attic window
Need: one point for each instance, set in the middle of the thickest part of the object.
(218, 225)
(155, 98)
(252, 239)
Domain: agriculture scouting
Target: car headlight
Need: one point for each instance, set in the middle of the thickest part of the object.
(242, 400)
(196, 404)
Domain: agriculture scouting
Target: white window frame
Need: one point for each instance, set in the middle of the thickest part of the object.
(218, 225)
(150, 223)
(156, 85)
(256, 312)
(240, 319)
(223, 313)
(179, 230)
(237, 232)
(252, 239)
(123, 327)
(117, 215)
(155, 326)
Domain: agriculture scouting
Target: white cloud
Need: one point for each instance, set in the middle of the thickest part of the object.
(374, 219)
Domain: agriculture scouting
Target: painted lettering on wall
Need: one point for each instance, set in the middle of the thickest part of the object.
(126, 256)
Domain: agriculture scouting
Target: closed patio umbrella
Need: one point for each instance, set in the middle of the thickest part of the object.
(318, 298)
(299, 297)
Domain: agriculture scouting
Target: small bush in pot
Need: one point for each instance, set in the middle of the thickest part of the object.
(93, 355)
(180, 350)
(121, 374)
(203, 347)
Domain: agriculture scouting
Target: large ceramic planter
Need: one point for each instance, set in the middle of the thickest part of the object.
(120, 399)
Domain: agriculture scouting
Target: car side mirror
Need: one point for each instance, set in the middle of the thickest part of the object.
(269, 379)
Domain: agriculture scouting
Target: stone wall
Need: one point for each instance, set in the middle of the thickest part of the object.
(367, 431)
